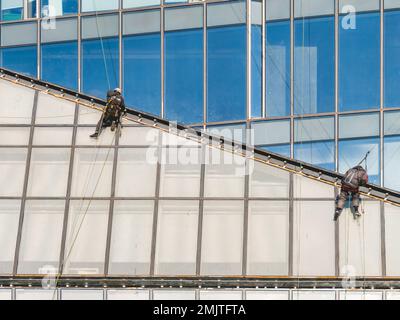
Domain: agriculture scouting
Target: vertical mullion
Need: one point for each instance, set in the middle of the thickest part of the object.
(201, 210)
(79, 34)
(38, 49)
(382, 34)
(205, 50)
(246, 216)
(263, 55)
(291, 215)
(68, 196)
(120, 46)
(111, 208)
(25, 187)
(162, 62)
(291, 78)
(337, 243)
(383, 238)
(249, 58)
(156, 203)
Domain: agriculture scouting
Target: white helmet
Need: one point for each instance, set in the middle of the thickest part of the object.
(117, 90)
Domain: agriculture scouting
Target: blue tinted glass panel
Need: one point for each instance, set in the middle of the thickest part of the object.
(359, 63)
(66, 73)
(60, 8)
(283, 149)
(319, 153)
(314, 65)
(20, 59)
(99, 66)
(392, 61)
(278, 68)
(32, 9)
(184, 76)
(142, 72)
(353, 150)
(391, 163)
(226, 78)
(12, 10)
(256, 71)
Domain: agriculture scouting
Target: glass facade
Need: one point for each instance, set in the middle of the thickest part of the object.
(151, 203)
(262, 63)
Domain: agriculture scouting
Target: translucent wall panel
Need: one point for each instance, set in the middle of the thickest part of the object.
(314, 295)
(16, 136)
(392, 224)
(224, 174)
(136, 172)
(139, 136)
(35, 294)
(12, 171)
(81, 294)
(15, 34)
(5, 294)
(52, 136)
(267, 295)
(128, 294)
(267, 181)
(41, 236)
(88, 116)
(177, 237)
(308, 188)
(359, 87)
(92, 172)
(86, 237)
(131, 238)
(174, 295)
(314, 65)
(360, 242)
(314, 247)
(17, 103)
(9, 217)
(306, 8)
(106, 138)
(278, 68)
(222, 239)
(360, 295)
(390, 4)
(221, 295)
(392, 295)
(277, 9)
(48, 174)
(180, 172)
(267, 248)
(94, 5)
(359, 5)
(52, 110)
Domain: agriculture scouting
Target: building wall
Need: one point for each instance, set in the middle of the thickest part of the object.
(312, 80)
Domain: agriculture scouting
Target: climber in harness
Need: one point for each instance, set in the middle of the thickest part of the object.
(113, 112)
(353, 179)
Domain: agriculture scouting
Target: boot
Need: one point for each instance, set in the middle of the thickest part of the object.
(337, 214)
(356, 214)
(94, 135)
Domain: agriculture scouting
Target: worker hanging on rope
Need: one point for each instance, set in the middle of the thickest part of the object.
(113, 112)
(353, 179)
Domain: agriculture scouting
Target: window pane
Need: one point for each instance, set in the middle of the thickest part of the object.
(356, 235)
(314, 62)
(183, 89)
(92, 173)
(226, 62)
(58, 30)
(224, 174)
(267, 295)
(52, 136)
(140, 3)
(278, 68)
(86, 237)
(59, 8)
(14, 34)
(41, 236)
(5, 294)
(12, 171)
(128, 294)
(131, 238)
(359, 86)
(64, 74)
(306, 8)
(140, 136)
(94, 5)
(142, 71)
(20, 59)
(277, 9)
(278, 149)
(321, 154)
(352, 151)
(256, 70)
(360, 5)
(392, 65)
(360, 295)
(48, 174)
(267, 181)
(17, 136)
(359, 126)
(391, 158)
(177, 238)
(314, 295)
(12, 10)
(9, 218)
(234, 132)
(221, 295)
(81, 294)
(174, 295)
(180, 172)
(52, 110)
(136, 172)
(222, 239)
(268, 238)
(17, 103)
(314, 247)
(307, 188)
(99, 66)
(83, 138)
(271, 132)
(35, 294)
